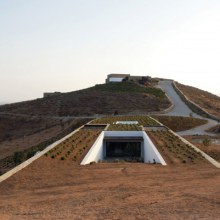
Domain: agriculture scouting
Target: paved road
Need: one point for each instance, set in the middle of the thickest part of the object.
(181, 109)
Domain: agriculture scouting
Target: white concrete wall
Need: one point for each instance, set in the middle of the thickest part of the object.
(123, 133)
(115, 79)
(150, 151)
(96, 151)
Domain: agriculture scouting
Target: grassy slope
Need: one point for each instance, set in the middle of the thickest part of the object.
(208, 101)
(100, 99)
(179, 123)
(129, 87)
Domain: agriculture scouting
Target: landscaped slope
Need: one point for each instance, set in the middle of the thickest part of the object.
(206, 100)
(21, 137)
(179, 123)
(141, 119)
(126, 97)
(173, 150)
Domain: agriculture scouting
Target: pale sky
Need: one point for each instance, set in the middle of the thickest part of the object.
(53, 45)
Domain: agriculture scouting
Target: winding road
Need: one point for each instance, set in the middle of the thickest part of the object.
(181, 109)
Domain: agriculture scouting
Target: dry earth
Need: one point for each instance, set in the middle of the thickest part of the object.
(206, 100)
(25, 134)
(123, 98)
(211, 149)
(55, 189)
(180, 123)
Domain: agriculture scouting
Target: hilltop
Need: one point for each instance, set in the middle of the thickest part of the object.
(124, 97)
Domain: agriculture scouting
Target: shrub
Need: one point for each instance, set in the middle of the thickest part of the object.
(18, 157)
(206, 142)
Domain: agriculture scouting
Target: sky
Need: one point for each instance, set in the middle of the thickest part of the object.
(53, 45)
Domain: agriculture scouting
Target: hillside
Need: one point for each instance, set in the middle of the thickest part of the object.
(206, 100)
(126, 97)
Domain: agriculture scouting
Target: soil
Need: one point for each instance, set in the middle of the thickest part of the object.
(27, 135)
(87, 102)
(212, 150)
(179, 123)
(173, 150)
(208, 101)
(55, 189)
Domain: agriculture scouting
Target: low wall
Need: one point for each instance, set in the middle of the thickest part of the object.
(35, 157)
(193, 106)
(150, 151)
(96, 151)
(206, 156)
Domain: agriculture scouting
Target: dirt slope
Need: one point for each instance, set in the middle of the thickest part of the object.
(49, 189)
(207, 100)
(101, 99)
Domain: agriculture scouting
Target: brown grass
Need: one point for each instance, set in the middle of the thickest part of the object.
(179, 123)
(206, 100)
(28, 140)
(173, 150)
(90, 102)
(49, 189)
(55, 188)
(212, 150)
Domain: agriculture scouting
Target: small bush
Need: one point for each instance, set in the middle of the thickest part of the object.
(206, 142)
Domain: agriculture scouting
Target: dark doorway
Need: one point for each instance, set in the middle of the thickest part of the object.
(123, 149)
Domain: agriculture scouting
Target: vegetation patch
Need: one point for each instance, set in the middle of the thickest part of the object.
(173, 149)
(75, 147)
(129, 127)
(206, 100)
(142, 120)
(20, 156)
(129, 87)
(179, 123)
(208, 144)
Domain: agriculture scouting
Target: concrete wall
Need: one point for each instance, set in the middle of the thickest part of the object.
(35, 157)
(115, 79)
(193, 106)
(150, 152)
(96, 151)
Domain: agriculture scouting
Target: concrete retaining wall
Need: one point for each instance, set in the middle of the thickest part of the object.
(192, 105)
(96, 151)
(35, 157)
(206, 156)
(151, 154)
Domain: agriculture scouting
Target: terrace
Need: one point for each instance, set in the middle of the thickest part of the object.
(127, 139)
